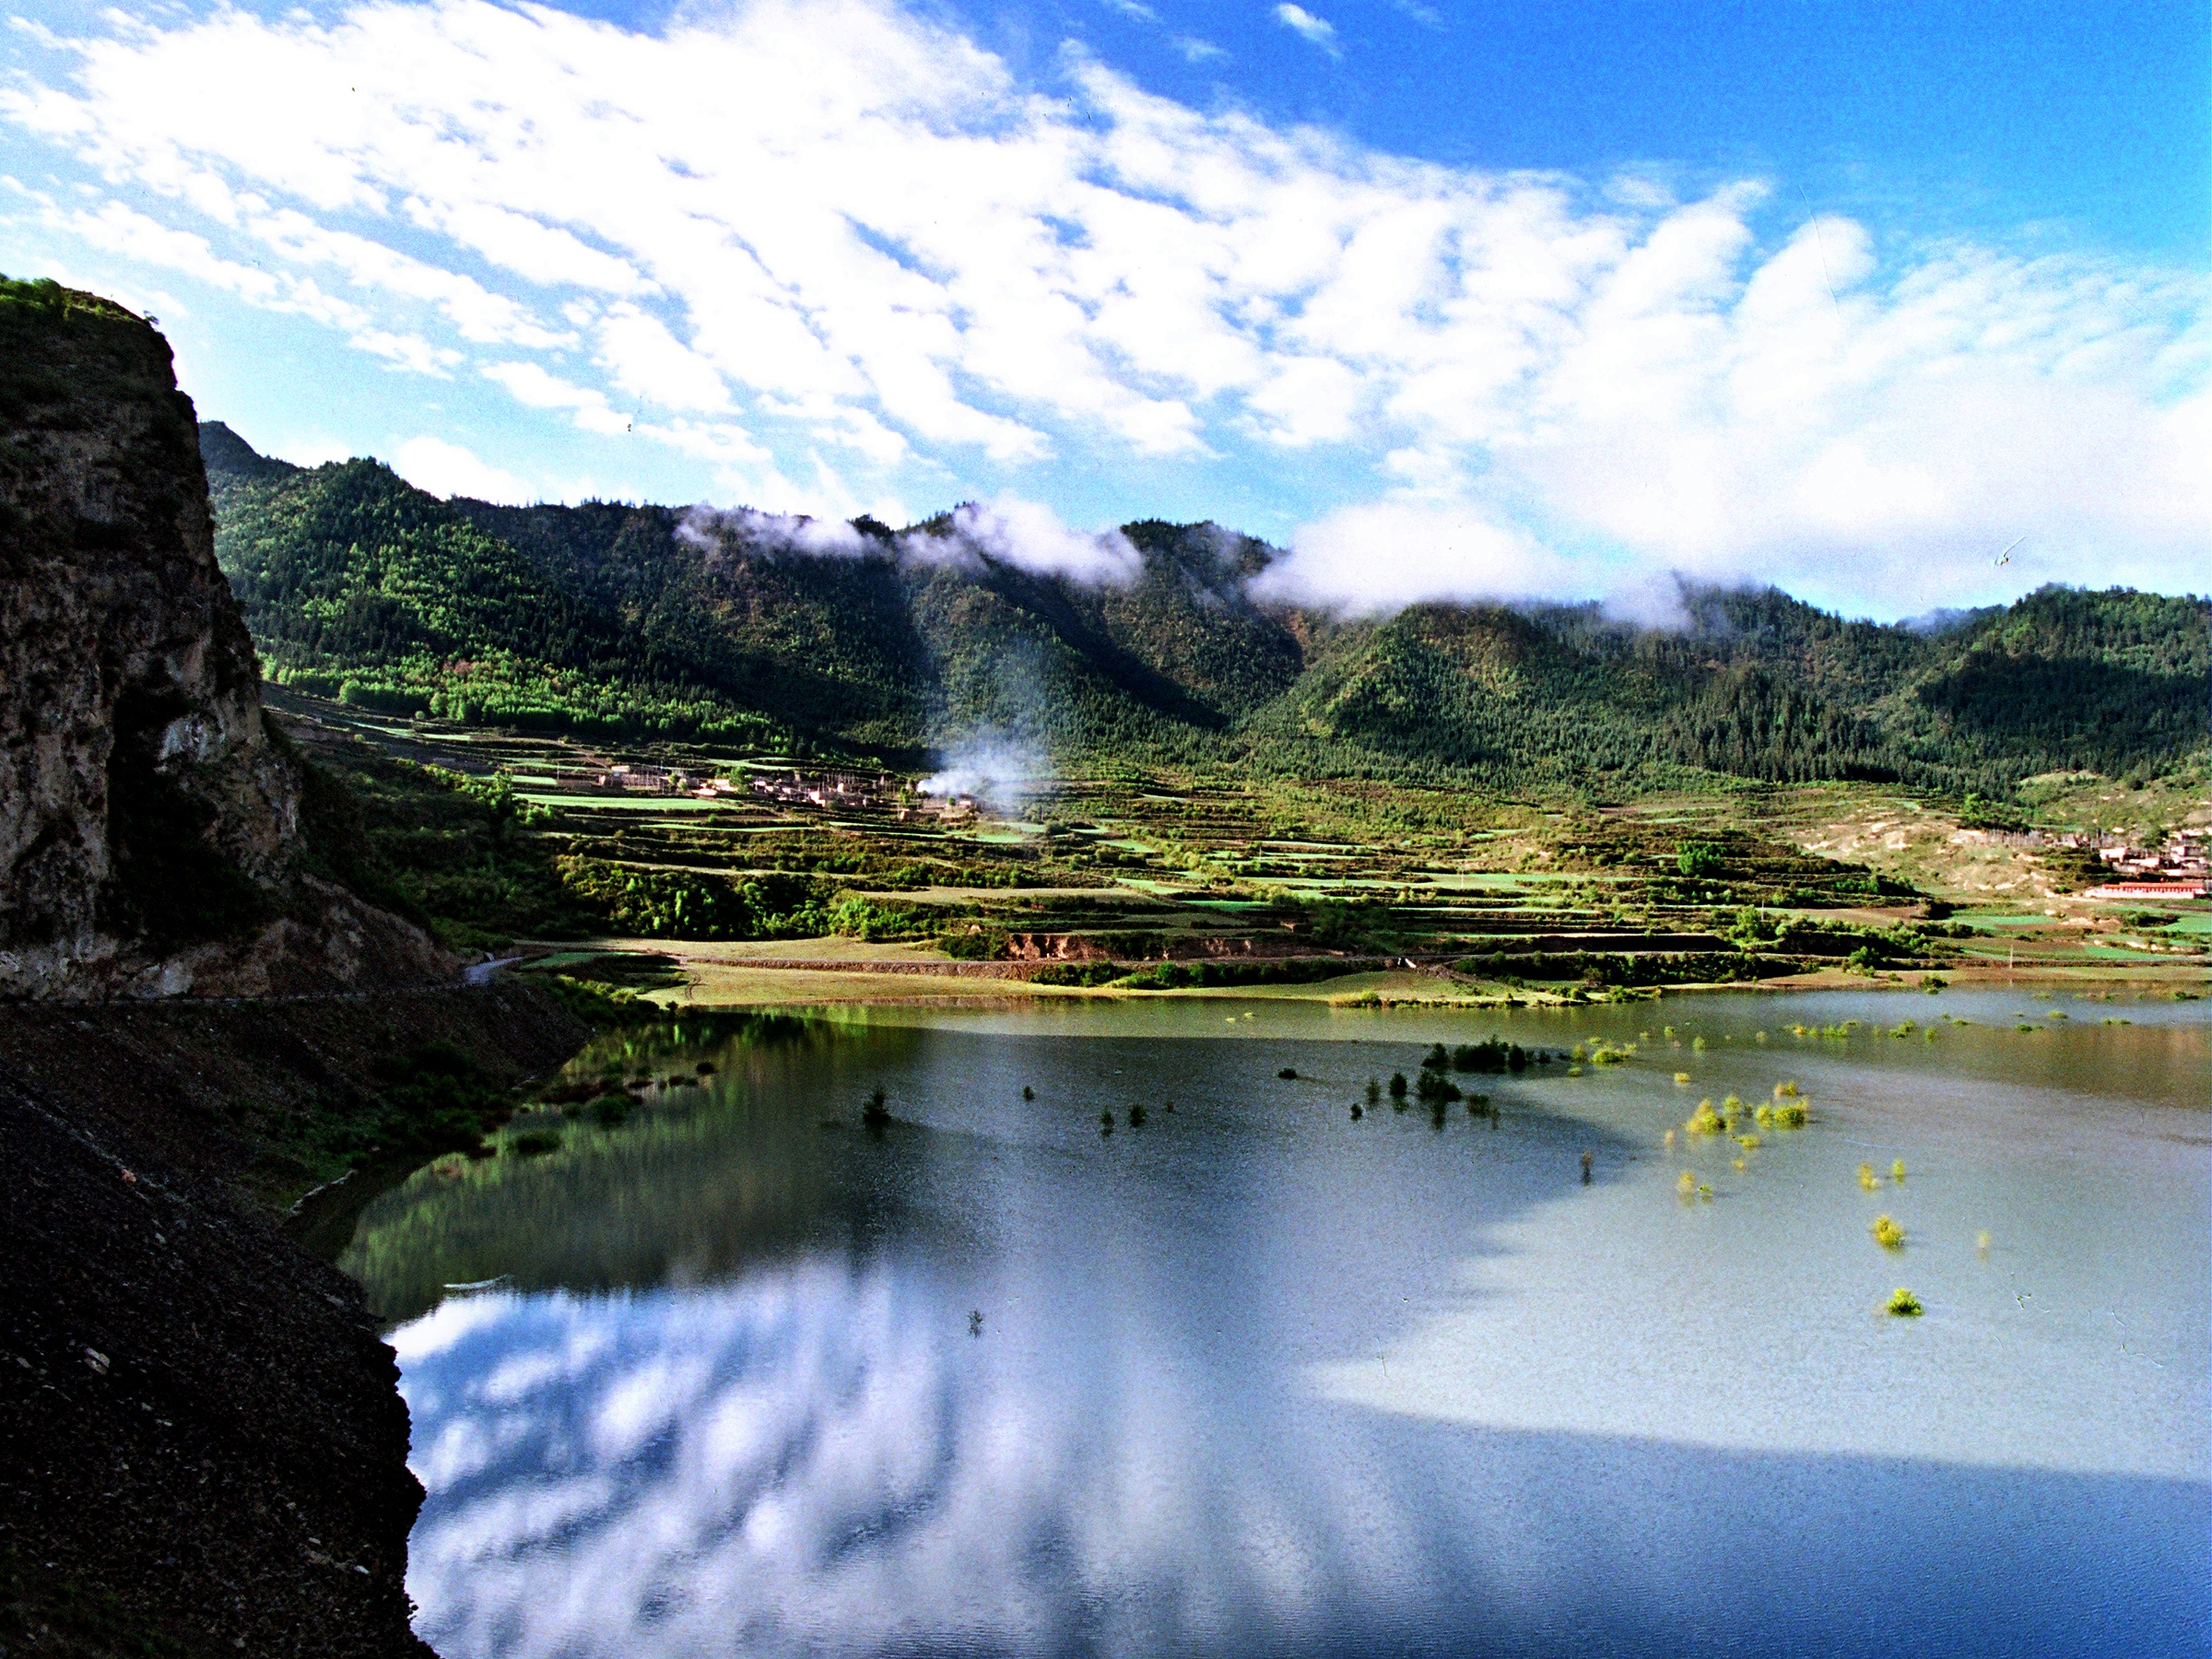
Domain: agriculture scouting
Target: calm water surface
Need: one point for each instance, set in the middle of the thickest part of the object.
(738, 1376)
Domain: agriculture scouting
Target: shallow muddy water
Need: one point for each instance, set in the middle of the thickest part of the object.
(740, 1375)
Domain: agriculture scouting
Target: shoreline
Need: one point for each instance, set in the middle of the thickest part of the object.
(798, 975)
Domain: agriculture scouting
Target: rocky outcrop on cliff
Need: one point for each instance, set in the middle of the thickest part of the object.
(150, 821)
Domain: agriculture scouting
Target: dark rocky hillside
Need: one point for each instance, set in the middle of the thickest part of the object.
(201, 1449)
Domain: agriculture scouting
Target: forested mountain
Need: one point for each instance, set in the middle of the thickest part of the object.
(609, 620)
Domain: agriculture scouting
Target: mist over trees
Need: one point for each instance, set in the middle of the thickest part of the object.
(611, 621)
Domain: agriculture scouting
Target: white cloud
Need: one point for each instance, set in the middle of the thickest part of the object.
(1032, 537)
(447, 469)
(711, 529)
(890, 268)
(1316, 31)
(1383, 557)
(1192, 50)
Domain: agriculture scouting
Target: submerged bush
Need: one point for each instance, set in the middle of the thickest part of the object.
(1903, 1304)
(874, 1114)
(1867, 1178)
(1705, 1120)
(1492, 1054)
(1887, 1233)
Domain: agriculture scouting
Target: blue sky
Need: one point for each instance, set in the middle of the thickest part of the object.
(1506, 301)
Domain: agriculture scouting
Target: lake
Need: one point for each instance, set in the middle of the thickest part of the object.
(739, 1374)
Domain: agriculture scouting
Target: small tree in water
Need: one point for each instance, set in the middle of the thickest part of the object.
(874, 1114)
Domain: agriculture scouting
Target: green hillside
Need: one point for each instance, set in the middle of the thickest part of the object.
(607, 619)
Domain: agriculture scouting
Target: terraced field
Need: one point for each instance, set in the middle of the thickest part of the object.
(1083, 883)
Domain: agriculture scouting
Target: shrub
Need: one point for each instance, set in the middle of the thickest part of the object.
(1699, 860)
(1077, 974)
(975, 944)
(1903, 1304)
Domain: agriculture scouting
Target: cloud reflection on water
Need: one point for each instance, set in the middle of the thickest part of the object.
(818, 1459)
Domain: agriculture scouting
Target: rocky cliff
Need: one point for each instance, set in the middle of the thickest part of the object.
(150, 821)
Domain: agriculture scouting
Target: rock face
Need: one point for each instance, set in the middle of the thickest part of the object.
(201, 1448)
(150, 821)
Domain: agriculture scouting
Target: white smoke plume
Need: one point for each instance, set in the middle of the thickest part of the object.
(996, 769)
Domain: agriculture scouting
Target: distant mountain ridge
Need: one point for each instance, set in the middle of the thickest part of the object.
(602, 619)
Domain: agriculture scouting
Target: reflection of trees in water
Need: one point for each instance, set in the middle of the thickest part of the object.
(761, 1157)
